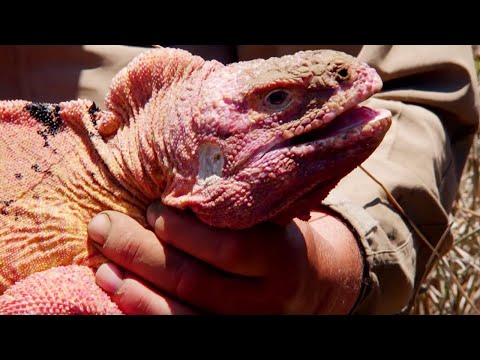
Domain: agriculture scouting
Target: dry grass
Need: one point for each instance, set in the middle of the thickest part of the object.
(453, 286)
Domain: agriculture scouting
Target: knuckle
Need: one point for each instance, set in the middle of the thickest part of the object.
(131, 249)
(127, 245)
(134, 298)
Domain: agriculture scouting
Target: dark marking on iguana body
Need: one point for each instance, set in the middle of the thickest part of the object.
(48, 115)
(92, 111)
(36, 168)
(43, 133)
(6, 204)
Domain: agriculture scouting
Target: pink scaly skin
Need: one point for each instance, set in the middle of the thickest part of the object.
(237, 145)
(63, 290)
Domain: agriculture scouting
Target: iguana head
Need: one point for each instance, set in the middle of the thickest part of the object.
(269, 132)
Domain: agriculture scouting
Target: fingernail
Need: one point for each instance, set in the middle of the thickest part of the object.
(98, 228)
(109, 277)
(153, 212)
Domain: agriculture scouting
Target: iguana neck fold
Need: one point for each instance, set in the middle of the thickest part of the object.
(141, 136)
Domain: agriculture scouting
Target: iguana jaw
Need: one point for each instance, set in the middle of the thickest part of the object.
(277, 185)
(352, 138)
(356, 125)
(318, 156)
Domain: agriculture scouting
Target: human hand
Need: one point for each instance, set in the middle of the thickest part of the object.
(301, 268)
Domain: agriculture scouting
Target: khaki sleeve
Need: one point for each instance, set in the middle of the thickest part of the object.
(432, 92)
(55, 73)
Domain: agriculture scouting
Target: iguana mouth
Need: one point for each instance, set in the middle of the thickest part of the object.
(354, 126)
(354, 119)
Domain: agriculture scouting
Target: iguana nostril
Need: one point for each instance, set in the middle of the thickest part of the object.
(342, 74)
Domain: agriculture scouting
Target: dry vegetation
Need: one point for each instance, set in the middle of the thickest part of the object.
(453, 286)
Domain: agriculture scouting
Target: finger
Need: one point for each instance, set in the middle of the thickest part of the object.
(133, 297)
(128, 244)
(132, 247)
(251, 252)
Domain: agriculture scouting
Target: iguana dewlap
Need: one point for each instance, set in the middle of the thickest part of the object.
(237, 145)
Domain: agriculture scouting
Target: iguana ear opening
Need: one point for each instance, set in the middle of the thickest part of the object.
(146, 75)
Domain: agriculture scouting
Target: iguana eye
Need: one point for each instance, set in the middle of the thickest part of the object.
(278, 99)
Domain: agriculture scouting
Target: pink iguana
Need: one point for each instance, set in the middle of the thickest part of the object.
(237, 145)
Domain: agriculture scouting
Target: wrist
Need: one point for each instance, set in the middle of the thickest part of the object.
(341, 272)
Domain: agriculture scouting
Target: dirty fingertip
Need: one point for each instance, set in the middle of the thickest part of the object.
(109, 277)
